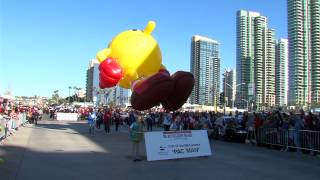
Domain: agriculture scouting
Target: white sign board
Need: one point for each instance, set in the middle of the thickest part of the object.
(67, 116)
(176, 144)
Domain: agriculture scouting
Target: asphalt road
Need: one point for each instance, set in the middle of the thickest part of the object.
(56, 150)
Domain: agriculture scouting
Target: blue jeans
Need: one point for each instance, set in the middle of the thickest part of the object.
(91, 129)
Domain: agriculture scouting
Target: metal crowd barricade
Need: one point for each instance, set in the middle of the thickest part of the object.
(2, 127)
(8, 125)
(305, 140)
(272, 136)
(300, 140)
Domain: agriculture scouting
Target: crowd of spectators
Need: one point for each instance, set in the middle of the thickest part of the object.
(205, 120)
(252, 123)
(159, 119)
(13, 116)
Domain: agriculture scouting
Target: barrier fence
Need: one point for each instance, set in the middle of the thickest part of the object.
(295, 139)
(9, 125)
(286, 139)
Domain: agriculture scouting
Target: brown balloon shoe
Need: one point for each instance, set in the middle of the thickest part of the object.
(183, 85)
(150, 91)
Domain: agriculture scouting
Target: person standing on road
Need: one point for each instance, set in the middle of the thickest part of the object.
(149, 121)
(99, 118)
(167, 119)
(51, 113)
(117, 119)
(132, 118)
(106, 120)
(176, 125)
(35, 115)
(40, 112)
(298, 126)
(136, 133)
(251, 136)
(244, 121)
(91, 121)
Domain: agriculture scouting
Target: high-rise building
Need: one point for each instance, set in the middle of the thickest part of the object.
(255, 60)
(259, 56)
(108, 96)
(229, 86)
(315, 52)
(205, 66)
(282, 72)
(245, 56)
(269, 71)
(92, 79)
(304, 51)
(117, 96)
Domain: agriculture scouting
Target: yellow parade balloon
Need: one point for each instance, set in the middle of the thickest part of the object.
(136, 51)
(133, 60)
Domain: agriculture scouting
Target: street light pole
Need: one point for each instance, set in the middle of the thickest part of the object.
(233, 98)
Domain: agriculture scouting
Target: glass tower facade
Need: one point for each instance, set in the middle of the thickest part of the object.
(229, 87)
(282, 72)
(315, 53)
(304, 51)
(255, 61)
(205, 66)
(245, 56)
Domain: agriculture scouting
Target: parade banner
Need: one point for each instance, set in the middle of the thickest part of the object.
(67, 116)
(163, 145)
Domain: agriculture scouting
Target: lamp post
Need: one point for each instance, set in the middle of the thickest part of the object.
(233, 98)
(213, 92)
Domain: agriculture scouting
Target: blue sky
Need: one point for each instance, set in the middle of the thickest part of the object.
(46, 44)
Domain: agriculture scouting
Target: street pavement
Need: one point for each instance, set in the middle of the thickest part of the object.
(62, 150)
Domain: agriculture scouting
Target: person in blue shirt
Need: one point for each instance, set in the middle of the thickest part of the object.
(91, 121)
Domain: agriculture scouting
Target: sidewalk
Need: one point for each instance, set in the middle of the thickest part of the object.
(12, 152)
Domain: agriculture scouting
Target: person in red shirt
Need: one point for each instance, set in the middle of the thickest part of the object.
(257, 121)
(106, 120)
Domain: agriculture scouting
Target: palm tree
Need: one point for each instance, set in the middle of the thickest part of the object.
(78, 89)
(75, 92)
(55, 96)
(69, 93)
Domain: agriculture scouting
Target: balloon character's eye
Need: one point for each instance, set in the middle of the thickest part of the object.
(134, 29)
